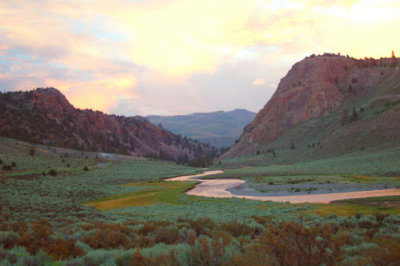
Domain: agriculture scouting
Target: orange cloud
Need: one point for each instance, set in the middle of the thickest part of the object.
(181, 37)
(99, 94)
(90, 49)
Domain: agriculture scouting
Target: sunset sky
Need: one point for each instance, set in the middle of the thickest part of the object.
(142, 57)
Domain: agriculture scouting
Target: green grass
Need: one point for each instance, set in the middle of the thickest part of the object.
(381, 162)
(352, 209)
(380, 167)
(130, 193)
(27, 194)
(163, 192)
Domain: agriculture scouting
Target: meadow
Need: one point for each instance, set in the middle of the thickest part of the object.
(363, 170)
(67, 207)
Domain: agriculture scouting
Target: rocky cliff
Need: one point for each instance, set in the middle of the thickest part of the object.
(316, 89)
(45, 116)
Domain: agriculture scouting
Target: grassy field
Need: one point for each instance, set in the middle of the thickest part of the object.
(152, 193)
(105, 209)
(352, 172)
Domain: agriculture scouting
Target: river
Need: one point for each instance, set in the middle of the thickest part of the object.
(218, 188)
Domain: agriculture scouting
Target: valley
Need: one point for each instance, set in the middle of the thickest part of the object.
(318, 167)
(120, 209)
(219, 129)
(237, 188)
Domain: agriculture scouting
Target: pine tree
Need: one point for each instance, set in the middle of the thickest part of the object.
(354, 115)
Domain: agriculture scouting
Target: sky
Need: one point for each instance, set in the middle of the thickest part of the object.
(168, 57)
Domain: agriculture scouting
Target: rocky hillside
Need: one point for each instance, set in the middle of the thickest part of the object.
(45, 116)
(220, 129)
(328, 105)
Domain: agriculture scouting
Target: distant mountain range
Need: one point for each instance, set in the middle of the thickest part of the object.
(45, 116)
(220, 129)
(328, 105)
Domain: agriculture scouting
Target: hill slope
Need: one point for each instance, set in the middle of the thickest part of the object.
(326, 106)
(45, 116)
(220, 129)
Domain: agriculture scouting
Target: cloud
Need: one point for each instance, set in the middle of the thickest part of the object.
(258, 82)
(175, 56)
(101, 93)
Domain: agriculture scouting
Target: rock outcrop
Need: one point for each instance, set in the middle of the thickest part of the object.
(313, 88)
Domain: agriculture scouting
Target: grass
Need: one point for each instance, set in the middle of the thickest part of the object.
(122, 188)
(361, 170)
(27, 194)
(386, 201)
(365, 206)
(386, 162)
(130, 194)
(352, 209)
(163, 192)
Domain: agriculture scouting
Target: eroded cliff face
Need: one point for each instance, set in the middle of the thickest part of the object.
(312, 88)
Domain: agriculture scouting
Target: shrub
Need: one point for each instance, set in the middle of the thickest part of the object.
(208, 251)
(292, 147)
(62, 249)
(262, 220)
(293, 244)
(167, 235)
(366, 224)
(163, 259)
(202, 226)
(187, 236)
(13, 165)
(52, 172)
(144, 241)
(32, 151)
(147, 228)
(11, 258)
(8, 239)
(36, 238)
(237, 229)
(1, 161)
(387, 252)
(85, 168)
(107, 238)
(380, 217)
(7, 167)
(99, 257)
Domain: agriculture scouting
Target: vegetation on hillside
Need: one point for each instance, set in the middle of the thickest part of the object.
(220, 129)
(44, 116)
(120, 212)
(327, 106)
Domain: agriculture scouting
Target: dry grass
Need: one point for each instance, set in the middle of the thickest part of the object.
(152, 193)
(352, 209)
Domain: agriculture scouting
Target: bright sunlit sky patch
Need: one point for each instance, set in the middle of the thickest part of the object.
(141, 57)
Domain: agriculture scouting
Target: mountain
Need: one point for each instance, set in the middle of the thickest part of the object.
(328, 105)
(220, 129)
(45, 116)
